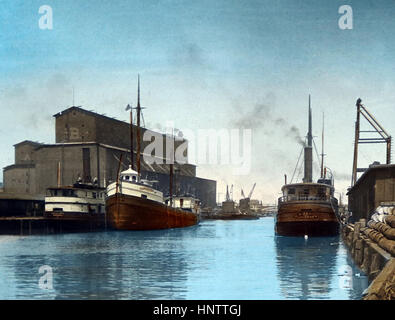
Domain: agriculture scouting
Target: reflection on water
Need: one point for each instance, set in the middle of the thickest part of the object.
(215, 260)
(317, 268)
(304, 266)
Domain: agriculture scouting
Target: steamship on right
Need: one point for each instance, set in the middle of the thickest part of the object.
(308, 208)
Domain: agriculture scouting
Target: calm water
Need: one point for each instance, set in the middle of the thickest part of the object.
(215, 260)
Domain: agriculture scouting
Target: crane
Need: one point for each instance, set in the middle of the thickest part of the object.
(252, 190)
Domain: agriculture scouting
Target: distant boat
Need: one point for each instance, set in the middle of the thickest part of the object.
(133, 203)
(186, 202)
(308, 208)
(229, 211)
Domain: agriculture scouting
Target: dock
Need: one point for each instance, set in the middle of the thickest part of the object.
(51, 224)
(372, 247)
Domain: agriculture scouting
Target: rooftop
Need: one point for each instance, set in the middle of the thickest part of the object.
(34, 143)
(91, 113)
(371, 169)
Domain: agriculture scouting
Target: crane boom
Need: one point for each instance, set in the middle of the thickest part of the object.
(252, 190)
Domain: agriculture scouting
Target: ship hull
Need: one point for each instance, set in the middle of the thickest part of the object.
(126, 212)
(232, 216)
(301, 218)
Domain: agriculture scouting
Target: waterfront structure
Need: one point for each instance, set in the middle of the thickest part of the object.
(380, 136)
(375, 186)
(88, 146)
(12, 204)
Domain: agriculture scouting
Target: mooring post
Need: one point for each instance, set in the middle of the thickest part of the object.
(357, 228)
(375, 265)
(21, 228)
(358, 252)
(355, 238)
(366, 259)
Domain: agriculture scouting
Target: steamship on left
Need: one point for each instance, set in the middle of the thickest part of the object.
(308, 208)
(133, 203)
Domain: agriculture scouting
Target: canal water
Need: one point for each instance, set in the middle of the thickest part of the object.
(215, 260)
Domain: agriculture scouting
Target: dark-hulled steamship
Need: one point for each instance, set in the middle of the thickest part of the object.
(133, 203)
(308, 208)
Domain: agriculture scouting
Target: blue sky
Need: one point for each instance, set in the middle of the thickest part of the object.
(204, 64)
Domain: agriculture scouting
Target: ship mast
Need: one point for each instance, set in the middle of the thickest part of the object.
(308, 152)
(322, 148)
(131, 138)
(171, 174)
(138, 128)
(310, 134)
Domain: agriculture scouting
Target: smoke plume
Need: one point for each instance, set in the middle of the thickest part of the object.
(262, 117)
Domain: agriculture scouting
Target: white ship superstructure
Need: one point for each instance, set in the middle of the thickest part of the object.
(130, 185)
(77, 199)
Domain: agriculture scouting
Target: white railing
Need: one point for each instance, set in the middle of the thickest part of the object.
(303, 198)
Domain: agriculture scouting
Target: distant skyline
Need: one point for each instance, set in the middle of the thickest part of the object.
(205, 65)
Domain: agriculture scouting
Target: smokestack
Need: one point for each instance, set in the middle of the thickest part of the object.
(310, 134)
(308, 164)
(308, 151)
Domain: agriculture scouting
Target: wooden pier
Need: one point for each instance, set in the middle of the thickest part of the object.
(374, 253)
(51, 224)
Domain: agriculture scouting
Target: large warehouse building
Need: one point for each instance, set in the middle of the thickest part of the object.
(89, 146)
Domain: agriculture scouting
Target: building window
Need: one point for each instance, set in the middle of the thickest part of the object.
(86, 164)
